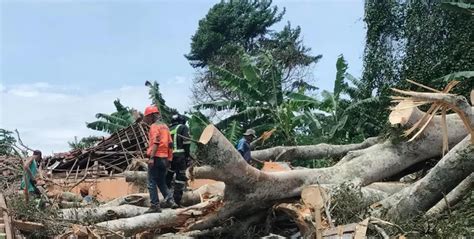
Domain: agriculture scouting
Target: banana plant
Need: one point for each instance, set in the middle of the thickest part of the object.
(111, 123)
(158, 100)
(263, 105)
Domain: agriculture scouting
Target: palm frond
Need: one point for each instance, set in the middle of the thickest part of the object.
(120, 107)
(244, 116)
(104, 126)
(197, 123)
(340, 125)
(233, 131)
(236, 83)
(360, 103)
(114, 119)
(220, 105)
(303, 101)
(158, 100)
(457, 75)
(339, 84)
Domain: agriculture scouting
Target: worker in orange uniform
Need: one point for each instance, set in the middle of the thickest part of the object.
(160, 153)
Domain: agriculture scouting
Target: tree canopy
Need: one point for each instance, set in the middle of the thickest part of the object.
(234, 28)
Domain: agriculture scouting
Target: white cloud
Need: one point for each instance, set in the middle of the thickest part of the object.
(49, 116)
(178, 80)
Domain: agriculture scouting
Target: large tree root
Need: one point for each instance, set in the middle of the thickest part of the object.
(419, 197)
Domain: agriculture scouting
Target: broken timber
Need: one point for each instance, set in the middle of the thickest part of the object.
(5, 220)
(113, 154)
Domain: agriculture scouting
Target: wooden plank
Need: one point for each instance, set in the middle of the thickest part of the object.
(313, 197)
(348, 228)
(27, 226)
(6, 219)
(361, 229)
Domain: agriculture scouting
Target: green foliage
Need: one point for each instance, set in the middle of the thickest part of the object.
(348, 205)
(314, 163)
(229, 24)
(350, 100)
(120, 119)
(233, 132)
(263, 105)
(461, 6)
(426, 59)
(34, 212)
(417, 40)
(197, 123)
(232, 29)
(84, 143)
(7, 143)
(157, 100)
(455, 222)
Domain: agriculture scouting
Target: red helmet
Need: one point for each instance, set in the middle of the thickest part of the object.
(151, 109)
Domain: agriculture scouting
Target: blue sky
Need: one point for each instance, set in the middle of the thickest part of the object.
(71, 59)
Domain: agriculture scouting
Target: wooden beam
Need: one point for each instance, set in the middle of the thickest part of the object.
(27, 226)
(6, 218)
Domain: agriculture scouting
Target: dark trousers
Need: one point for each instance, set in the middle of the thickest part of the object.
(157, 177)
(178, 168)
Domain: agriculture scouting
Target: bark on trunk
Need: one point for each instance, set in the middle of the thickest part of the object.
(102, 213)
(246, 185)
(189, 197)
(453, 197)
(369, 165)
(308, 152)
(129, 226)
(419, 197)
(139, 199)
(168, 218)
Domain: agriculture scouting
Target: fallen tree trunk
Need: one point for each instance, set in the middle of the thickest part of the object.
(102, 213)
(362, 168)
(139, 199)
(307, 152)
(453, 197)
(189, 197)
(168, 218)
(419, 197)
(246, 184)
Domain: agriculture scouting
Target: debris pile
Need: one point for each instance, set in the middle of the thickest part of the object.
(361, 195)
(113, 154)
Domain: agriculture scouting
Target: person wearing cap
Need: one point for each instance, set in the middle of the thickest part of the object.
(243, 146)
(161, 153)
(181, 156)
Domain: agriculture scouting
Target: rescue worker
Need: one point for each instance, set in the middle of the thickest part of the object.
(181, 155)
(160, 153)
(243, 146)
